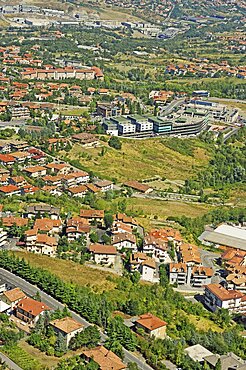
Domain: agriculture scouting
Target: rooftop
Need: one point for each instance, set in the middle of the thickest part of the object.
(150, 321)
(67, 324)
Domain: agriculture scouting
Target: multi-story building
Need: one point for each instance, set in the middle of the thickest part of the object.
(183, 274)
(29, 310)
(216, 296)
(103, 254)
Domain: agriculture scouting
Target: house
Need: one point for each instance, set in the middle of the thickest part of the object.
(77, 191)
(77, 227)
(103, 254)
(67, 327)
(125, 241)
(216, 296)
(58, 168)
(198, 353)
(42, 210)
(120, 227)
(189, 253)
(152, 325)
(35, 171)
(12, 297)
(148, 270)
(12, 220)
(86, 139)
(81, 177)
(29, 310)
(105, 358)
(183, 274)
(92, 215)
(156, 248)
(21, 157)
(230, 361)
(41, 244)
(19, 181)
(10, 190)
(48, 225)
(104, 185)
(138, 186)
(122, 217)
(7, 160)
(136, 259)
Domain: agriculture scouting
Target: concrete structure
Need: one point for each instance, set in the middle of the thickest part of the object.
(3, 237)
(183, 274)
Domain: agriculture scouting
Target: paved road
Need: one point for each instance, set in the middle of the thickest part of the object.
(53, 303)
(12, 365)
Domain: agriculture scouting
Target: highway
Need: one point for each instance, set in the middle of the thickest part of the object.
(31, 290)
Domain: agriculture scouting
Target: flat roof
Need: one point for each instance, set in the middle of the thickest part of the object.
(229, 236)
(198, 352)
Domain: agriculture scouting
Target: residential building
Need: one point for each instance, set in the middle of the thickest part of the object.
(105, 358)
(86, 139)
(138, 186)
(77, 191)
(148, 270)
(12, 297)
(10, 190)
(35, 171)
(216, 296)
(125, 241)
(42, 210)
(198, 353)
(92, 215)
(67, 327)
(152, 325)
(104, 185)
(183, 274)
(12, 220)
(156, 248)
(29, 310)
(229, 361)
(41, 244)
(103, 254)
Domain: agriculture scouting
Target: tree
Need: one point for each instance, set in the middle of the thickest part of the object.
(108, 220)
(115, 142)
(60, 345)
(218, 365)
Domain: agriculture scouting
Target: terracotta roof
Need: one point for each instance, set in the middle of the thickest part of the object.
(8, 189)
(34, 169)
(137, 186)
(31, 306)
(78, 189)
(6, 158)
(102, 249)
(106, 359)
(123, 236)
(149, 262)
(45, 239)
(150, 322)
(222, 293)
(67, 324)
(91, 213)
(14, 295)
(18, 221)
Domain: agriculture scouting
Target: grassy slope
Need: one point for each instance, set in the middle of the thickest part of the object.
(71, 272)
(140, 160)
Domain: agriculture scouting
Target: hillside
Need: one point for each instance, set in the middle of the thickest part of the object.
(139, 160)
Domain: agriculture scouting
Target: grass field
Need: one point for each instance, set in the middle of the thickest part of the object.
(138, 160)
(156, 210)
(204, 324)
(22, 358)
(71, 272)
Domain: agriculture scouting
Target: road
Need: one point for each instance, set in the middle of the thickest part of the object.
(11, 365)
(31, 290)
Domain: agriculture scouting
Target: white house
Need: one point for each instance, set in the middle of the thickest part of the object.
(216, 296)
(67, 327)
(103, 254)
(125, 241)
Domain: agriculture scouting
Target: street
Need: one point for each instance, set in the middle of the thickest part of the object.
(31, 290)
(11, 365)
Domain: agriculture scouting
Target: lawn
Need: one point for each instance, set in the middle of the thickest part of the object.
(138, 160)
(71, 272)
(204, 324)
